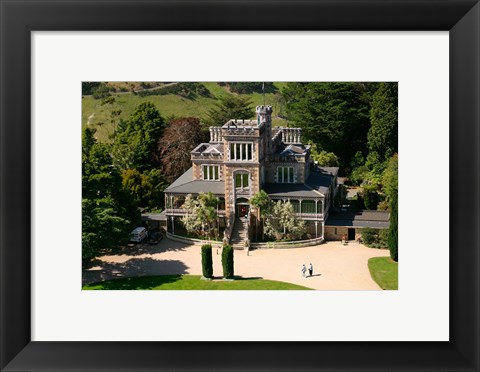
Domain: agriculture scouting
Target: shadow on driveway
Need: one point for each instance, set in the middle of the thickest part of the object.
(98, 271)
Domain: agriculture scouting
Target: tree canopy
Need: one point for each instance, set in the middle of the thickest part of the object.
(390, 185)
(135, 144)
(203, 216)
(383, 132)
(230, 107)
(282, 222)
(180, 137)
(335, 116)
(108, 212)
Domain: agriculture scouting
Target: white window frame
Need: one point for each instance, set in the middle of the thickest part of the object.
(242, 178)
(241, 150)
(280, 173)
(211, 177)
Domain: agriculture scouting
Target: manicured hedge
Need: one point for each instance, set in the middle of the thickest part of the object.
(227, 262)
(207, 262)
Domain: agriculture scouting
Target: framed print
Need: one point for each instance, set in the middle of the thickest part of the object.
(29, 315)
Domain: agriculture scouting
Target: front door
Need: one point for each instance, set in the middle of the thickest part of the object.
(242, 210)
(351, 234)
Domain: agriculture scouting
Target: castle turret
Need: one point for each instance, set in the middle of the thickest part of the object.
(264, 115)
(264, 119)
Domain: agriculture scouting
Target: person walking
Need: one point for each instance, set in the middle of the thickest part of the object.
(304, 271)
(310, 269)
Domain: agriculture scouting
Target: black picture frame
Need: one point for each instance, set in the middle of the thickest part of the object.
(18, 18)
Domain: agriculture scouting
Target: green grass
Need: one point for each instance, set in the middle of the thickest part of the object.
(167, 105)
(384, 271)
(190, 282)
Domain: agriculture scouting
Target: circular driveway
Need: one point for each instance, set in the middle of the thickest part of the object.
(336, 266)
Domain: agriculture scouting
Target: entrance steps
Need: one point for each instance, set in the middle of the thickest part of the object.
(239, 232)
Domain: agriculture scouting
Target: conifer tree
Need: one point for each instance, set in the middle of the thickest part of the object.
(383, 132)
(230, 107)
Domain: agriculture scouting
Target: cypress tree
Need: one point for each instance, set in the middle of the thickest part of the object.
(207, 262)
(383, 132)
(227, 262)
(390, 186)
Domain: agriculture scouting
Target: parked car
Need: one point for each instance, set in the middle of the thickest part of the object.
(154, 238)
(138, 235)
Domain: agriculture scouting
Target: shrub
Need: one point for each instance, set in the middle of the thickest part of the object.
(227, 262)
(102, 91)
(207, 262)
(185, 90)
(375, 238)
(370, 197)
(369, 236)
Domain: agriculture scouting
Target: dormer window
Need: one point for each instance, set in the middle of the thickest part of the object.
(285, 175)
(211, 172)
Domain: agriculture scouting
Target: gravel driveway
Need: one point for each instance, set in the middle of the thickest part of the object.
(336, 267)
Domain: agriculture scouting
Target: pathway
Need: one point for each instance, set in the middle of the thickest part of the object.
(336, 267)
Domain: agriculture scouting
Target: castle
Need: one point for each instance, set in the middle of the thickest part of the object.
(245, 156)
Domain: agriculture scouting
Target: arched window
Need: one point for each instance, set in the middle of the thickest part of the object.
(241, 180)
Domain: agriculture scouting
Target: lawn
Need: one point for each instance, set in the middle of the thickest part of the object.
(98, 116)
(190, 282)
(384, 271)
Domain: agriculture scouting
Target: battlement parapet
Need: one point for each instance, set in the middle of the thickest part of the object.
(240, 123)
(264, 109)
(216, 135)
(240, 131)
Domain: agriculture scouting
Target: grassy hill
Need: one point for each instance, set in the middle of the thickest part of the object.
(97, 114)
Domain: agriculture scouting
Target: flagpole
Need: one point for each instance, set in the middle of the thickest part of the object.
(263, 93)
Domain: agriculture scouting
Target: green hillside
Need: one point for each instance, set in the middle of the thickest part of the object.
(98, 114)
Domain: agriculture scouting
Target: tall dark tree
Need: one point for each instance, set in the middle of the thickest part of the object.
(89, 87)
(146, 188)
(135, 145)
(173, 152)
(390, 187)
(99, 177)
(393, 230)
(334, 116)
(230, 107)
(383, 132)
(108, 212)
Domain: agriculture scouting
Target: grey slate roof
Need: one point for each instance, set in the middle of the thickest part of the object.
(373, 219)
(317, 185)
(291, 190)
(186, 185)
(293, 150)
(214, 148)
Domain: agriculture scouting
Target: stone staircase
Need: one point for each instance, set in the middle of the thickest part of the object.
(239, 231)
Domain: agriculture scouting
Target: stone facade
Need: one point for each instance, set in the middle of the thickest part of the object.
(245, 156)
(338, 233)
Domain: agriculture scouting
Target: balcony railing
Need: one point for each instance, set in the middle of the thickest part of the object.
(183, 212)
(310, 216)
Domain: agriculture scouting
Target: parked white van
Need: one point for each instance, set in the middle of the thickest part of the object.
(138, 235)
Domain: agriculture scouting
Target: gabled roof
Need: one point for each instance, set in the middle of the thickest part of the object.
(186, 185)
(214, 148)
(293, 150)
